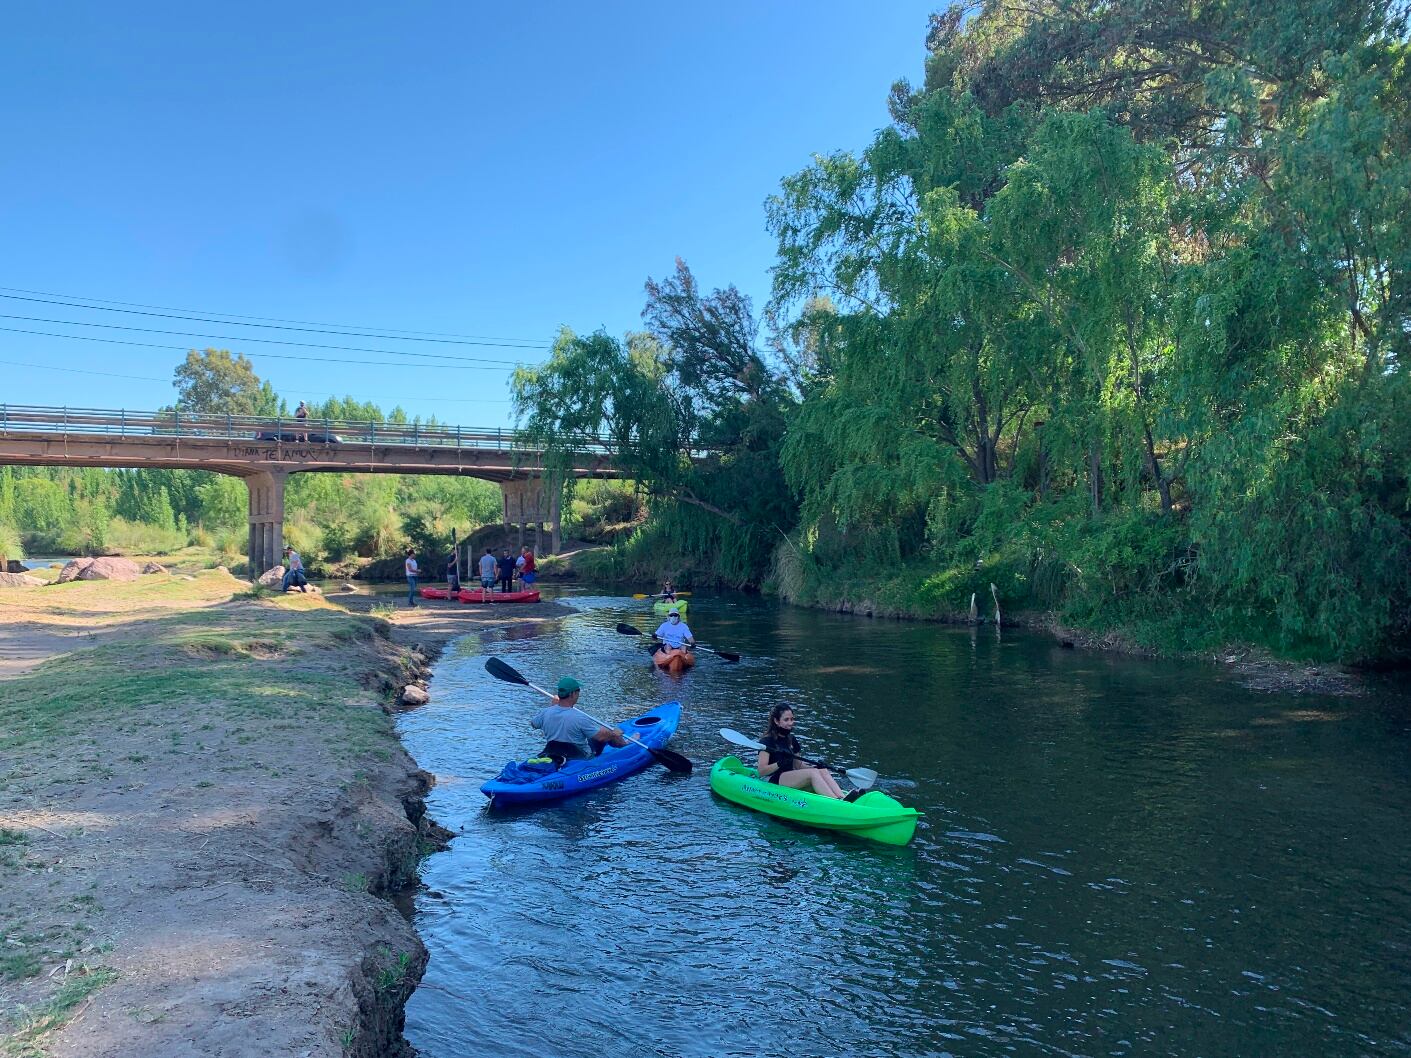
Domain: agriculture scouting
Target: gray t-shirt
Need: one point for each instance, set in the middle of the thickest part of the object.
(488, 566)
(566, 725)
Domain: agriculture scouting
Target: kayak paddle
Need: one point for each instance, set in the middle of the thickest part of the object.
(678, 594)
(862, 778)
(672, 762)
(628, 630)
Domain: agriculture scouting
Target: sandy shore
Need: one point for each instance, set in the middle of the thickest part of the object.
(204, 813)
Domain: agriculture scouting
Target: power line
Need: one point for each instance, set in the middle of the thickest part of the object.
(332, 396)
(469, 339)
(262, 341)
(509, 344)
(271, 356)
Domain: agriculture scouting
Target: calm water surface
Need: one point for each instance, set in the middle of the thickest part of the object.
(1118, 857)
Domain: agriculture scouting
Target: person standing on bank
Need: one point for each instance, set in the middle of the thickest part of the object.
(488, 569)
(453, 573)
(527, 572)
(506, 571)
(412, 572)
(571, 735)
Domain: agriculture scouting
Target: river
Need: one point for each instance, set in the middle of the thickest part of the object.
(1118, 856)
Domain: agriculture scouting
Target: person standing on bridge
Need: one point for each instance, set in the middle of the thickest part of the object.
(302, 414)
(412, 572)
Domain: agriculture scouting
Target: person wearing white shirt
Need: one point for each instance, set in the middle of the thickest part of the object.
(412, 572)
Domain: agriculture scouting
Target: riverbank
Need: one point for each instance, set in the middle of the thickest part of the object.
(204, 809)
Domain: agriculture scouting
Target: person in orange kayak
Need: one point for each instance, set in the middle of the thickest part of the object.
(674, 634)
(779, 763)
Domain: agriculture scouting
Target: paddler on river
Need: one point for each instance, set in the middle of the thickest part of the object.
(778, 762)
(675, 635)
(571, 735)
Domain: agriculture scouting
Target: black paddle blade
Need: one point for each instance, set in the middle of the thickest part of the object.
(628, 630)
(727, 655)
(672, 761)
(497, 668)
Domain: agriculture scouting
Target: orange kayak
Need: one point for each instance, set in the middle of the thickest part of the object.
(674, 661)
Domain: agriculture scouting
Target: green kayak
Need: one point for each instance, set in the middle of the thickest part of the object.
(663, 607)
(874, 815)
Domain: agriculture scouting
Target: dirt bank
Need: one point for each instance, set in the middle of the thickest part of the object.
(203, 811)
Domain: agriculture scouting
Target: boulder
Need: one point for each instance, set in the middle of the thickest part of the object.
(349, 587)
(14, 565)
(73, 568)
(19, 580)
(272, 578)
(154, 567)
(120, 569)
(414, 695)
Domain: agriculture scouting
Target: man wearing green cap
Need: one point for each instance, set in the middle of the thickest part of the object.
(571, 735)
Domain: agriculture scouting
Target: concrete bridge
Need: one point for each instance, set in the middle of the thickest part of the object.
(265, 451)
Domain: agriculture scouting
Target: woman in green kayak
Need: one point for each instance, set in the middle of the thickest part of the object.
(779, 763)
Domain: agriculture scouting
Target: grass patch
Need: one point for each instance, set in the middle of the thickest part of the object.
(31, 1025)
(18, 966)
(13, 837)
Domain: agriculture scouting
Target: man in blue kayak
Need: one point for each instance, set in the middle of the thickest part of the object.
(571, 735)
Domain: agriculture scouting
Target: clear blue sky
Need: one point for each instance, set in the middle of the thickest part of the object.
(432, 167)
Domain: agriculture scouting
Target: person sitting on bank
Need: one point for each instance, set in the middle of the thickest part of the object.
(506, 565)
(294, 575)
(488, 568)
(779, 763)
(570, 734)
(674, 634)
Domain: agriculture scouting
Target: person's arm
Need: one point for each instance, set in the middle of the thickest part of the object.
(686, 630)
(612, 735)
(763, 766)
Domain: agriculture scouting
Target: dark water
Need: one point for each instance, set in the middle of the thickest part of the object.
(1118, 857)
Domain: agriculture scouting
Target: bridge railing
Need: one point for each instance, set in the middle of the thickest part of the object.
(286, 429)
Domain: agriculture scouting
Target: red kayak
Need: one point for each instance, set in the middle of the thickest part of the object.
(498, 596)
(434, 593)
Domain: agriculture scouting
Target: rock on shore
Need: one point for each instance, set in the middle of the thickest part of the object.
(121, 569)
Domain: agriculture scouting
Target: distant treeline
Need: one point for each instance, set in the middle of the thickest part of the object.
(1114, 315)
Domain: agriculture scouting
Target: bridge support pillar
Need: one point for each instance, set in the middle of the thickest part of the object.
(266, 520)
(532, 501)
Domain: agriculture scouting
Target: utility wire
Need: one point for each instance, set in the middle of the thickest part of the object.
(395, 331)
(264, 341)
(271, 356)
(509, 344)
(332, 396)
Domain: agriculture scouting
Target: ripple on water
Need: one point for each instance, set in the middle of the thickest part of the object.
(652, 918)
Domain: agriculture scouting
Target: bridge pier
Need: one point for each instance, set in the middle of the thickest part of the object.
(530, 502)
(266, 548)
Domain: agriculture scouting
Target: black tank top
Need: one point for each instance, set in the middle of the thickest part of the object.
(782, 750)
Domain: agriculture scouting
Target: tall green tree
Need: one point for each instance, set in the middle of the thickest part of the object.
(215, 382)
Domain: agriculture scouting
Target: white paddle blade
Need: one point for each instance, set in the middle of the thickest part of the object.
(738, 739)
(862, 778)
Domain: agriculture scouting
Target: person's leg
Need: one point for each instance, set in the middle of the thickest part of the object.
(815, 779)
(288, 574)
(411, 591)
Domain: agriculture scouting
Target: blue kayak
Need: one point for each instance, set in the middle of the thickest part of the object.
(522, 783)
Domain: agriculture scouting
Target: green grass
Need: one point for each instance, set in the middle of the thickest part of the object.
(29, 1026)
(18, 966)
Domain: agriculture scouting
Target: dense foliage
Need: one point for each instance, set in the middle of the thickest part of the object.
(1114, 315)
